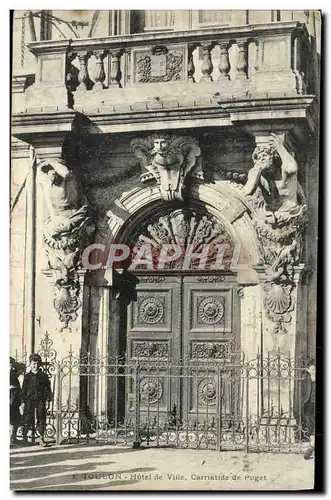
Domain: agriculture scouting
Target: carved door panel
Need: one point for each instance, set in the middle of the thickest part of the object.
(154, 339)
(210, 305)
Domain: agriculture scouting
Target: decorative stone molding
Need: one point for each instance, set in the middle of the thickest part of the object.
(279, 213)
(67, 230)
(169, 160)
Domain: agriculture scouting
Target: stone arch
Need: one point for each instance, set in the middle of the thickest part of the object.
(219, 198)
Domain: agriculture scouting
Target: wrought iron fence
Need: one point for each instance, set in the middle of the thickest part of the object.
(226, 403)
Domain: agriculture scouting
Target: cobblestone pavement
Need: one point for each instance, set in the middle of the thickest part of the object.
(97, 467)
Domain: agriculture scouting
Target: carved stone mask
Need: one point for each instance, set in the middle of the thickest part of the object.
(161, 145)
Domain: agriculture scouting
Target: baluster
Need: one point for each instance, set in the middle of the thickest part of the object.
(207, 65)
(224, 65)
(242, 59)
(115, 69)
(71, 72)
(190, 66)
(100, 74)
(257, 56)
(83, 76)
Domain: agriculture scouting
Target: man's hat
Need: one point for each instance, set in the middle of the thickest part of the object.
(35, 357)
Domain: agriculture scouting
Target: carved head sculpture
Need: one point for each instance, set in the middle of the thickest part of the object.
(161, 145)
(169, 159)
(265, 155)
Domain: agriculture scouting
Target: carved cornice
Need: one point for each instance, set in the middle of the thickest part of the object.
(19, 149)
(21, 80)
(35, 127)
(186, 113)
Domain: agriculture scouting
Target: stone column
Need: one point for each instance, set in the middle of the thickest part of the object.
(103, 349)
(102, 359)
(251, 311)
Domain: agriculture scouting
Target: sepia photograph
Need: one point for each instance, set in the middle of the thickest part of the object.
(164, 225)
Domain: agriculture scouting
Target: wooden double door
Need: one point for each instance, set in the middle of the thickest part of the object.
(178, 329)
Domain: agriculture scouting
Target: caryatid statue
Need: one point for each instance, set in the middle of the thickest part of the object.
(275, 172)
(66, 232)
(279, 214)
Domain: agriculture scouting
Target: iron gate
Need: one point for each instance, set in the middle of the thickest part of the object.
(229, 403)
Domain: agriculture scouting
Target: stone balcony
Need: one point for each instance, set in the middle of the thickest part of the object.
(214, 76)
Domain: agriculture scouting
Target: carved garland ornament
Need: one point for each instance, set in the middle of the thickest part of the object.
(150, 350)
(209, 350)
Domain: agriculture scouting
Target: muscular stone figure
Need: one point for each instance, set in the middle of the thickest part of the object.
(63, 198)
(275, 172)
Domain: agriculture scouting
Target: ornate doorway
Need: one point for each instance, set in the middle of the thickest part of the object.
(180, 327)
(184, 314)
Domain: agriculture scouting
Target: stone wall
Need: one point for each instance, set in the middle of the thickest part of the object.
(18, 251)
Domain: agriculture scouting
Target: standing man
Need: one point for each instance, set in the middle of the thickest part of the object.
(308, 402)
(15, 401)
(36, 392)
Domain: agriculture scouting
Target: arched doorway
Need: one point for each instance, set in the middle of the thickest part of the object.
(180, 313)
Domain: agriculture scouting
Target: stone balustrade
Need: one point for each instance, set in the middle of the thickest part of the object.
(272, 58)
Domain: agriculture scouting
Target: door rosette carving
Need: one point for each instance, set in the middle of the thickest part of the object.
(151, 311)
(151, 390)
(169, 160)
(210, 310)
(207, 392)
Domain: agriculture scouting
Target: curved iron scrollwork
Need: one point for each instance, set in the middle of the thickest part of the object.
(231, 403)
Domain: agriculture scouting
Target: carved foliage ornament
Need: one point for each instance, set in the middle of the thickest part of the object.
(150, 350)
(187, 229)
(169, 160)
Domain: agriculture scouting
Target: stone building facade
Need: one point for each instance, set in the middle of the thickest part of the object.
(157, 127)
